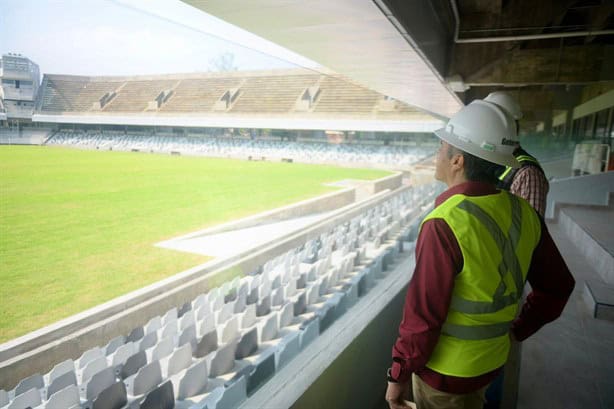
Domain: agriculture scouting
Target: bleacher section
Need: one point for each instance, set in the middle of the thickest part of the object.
(391, 156)
(219, 348)
(63, 93)
(259, 92)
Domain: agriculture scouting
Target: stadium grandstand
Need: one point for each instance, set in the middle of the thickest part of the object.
(297, 304)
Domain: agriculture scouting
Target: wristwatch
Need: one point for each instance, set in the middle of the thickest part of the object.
(389, 376)
(395, 371)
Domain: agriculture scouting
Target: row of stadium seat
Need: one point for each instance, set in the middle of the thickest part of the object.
(314, 152)
(217, 349)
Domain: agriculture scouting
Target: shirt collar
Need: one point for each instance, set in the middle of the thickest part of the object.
(467, 189)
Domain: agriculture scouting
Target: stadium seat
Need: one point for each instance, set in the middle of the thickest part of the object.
(88, 356)
(207, 344)
(135, 335)
(113, 397)
(229, 330)
(148, 341)
(66, 398)
(93, 367)
(161, 397)
(133, 364)
(114, 344)
(223, 359)
(28, 399)
(60, 369)
(192, 381)
(153, 324)
(119, 357)
(99, 382)
(180, 359)
(248, 344)
(33, 381)
(162, 349)
(61, 382)
(188, 336)
(147, 378)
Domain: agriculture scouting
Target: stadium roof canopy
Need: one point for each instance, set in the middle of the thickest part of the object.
(279, 99)
(437, 54)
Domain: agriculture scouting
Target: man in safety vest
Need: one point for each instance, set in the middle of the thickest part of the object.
(474, 252)
(529, 180)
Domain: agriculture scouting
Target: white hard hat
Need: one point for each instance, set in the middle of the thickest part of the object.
(484, 130)
(505, 101)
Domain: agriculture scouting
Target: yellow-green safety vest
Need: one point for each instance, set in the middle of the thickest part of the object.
(496, 234)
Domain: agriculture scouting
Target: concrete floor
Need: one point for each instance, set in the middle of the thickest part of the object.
(570, 362)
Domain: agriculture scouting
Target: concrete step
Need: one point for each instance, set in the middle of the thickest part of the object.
(599, 297)
(590, 229)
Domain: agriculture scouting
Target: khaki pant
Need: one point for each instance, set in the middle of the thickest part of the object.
(430, 398)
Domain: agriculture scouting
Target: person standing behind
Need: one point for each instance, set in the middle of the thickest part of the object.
(529, 181)
(474, 252)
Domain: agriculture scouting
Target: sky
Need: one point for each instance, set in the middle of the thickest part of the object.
(131, 37)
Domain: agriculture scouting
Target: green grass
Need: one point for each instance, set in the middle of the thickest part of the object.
(77, 228)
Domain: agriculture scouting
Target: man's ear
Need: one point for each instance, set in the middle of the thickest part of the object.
(457, 161)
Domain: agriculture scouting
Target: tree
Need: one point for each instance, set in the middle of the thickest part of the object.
(223, 62)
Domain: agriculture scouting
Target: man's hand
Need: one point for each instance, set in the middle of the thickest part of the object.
(395, 394)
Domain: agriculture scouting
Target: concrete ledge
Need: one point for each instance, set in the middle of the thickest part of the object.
(599, 298)
(585, 190)
(603, 261)
(324, 203)
(40, 350)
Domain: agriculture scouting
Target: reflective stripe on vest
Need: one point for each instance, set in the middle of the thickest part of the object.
(509, 262)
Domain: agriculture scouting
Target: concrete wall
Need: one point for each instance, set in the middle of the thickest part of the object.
(320, 204)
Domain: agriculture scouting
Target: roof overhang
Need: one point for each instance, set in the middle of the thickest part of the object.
(361, 40)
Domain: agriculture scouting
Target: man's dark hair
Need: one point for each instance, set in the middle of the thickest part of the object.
(476, 169)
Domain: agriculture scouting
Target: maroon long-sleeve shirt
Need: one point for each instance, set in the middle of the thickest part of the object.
(438, 261)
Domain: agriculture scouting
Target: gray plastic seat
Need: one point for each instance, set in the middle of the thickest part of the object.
(60, 369)
(263, 307)
(163, 349)
(179, 360)
(61, 382)
(146, 379)
(113, 397)
(33, 381)
(99, 382)
(184, 308)
(248, 344)
(286, 314)
(162, 397)
(186, 320)
(66, 398)
(223, 360)
(193, 382)
(148, 341)
(153, 325)
(29, 398)
(268, 329)
(188, 336)
(93, 367)
(114, 344)
(230, 330)
(207, 344)
(133, 364)
(121, 355)
(136, 334)
(88, 356)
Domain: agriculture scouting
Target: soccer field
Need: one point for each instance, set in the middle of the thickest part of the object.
(78, 228)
